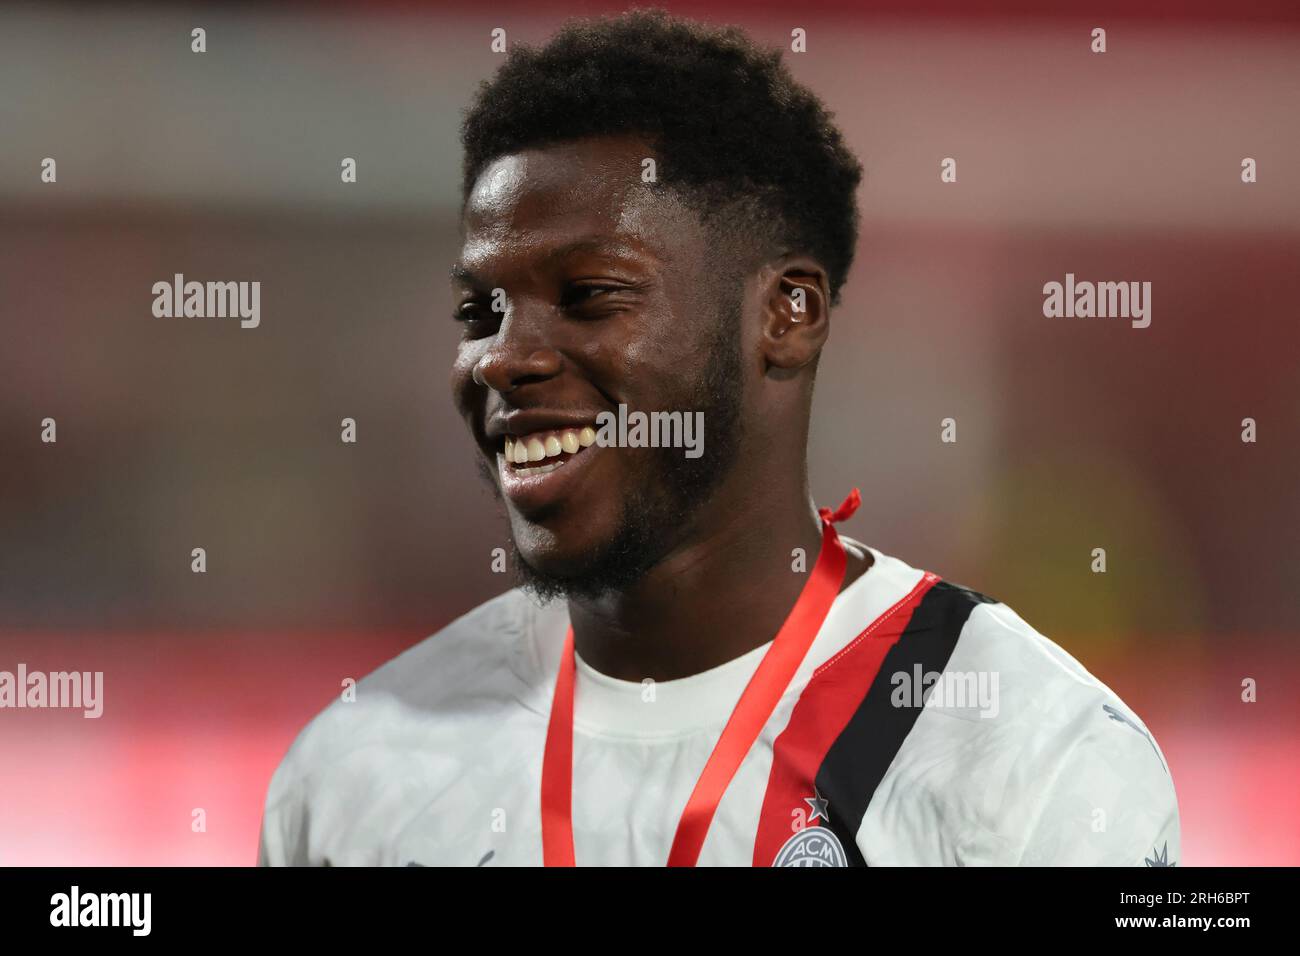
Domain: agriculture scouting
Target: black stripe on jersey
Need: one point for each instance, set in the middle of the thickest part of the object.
(857, 760)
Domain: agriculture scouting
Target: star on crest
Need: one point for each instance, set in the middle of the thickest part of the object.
(817, 804)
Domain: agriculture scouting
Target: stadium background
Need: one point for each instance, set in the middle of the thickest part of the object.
(325, 559)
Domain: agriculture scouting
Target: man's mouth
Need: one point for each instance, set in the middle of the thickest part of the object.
(540, 469)
(542, 452)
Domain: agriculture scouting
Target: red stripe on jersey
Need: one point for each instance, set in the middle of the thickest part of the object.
(823, 710)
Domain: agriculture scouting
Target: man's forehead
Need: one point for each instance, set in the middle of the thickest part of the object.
(595, 174)
(571, 199)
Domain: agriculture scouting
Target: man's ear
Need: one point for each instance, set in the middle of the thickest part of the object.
(796, 299)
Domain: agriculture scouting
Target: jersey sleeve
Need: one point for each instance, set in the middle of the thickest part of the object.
(1110, 802)
(282, 841)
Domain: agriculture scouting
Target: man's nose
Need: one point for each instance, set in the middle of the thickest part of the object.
(521, 351)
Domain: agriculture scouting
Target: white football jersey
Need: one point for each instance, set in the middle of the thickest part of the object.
(928, 725)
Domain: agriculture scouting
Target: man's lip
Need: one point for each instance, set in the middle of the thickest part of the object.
(528, 421)
(530, 493)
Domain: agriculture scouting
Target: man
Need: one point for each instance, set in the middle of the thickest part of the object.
(698, 669)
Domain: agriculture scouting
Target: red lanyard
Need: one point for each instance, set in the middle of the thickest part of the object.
(752, 712)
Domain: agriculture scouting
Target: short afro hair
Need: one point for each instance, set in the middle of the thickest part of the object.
(736, 136)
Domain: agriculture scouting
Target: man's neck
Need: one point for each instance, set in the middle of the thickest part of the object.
(726, 591)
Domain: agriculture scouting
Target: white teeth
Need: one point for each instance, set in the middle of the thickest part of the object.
(526, 449)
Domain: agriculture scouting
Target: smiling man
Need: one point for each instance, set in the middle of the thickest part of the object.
(696, 668)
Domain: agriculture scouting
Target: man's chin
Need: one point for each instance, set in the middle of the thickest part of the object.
(586, 566)
(546, 586)
(542, 586)
(551, 576)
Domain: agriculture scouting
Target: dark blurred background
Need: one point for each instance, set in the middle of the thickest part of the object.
(325, 559)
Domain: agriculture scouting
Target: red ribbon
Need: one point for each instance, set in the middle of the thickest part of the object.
(752, 712)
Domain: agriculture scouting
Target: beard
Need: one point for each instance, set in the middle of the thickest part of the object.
(675, 488)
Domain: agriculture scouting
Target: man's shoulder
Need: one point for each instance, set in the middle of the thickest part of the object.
(417, 717)
(1018, 743)
(964, 633)
(484, 653)
(1040, 688)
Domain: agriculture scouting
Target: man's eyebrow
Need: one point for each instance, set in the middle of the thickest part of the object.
(593, 244)
(599, 244)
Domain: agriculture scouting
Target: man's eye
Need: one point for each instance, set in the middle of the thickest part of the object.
(582, 294)
(468, 312)
(476, 321)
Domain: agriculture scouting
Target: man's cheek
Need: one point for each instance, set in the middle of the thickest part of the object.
(487, 471)
(462, 378)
